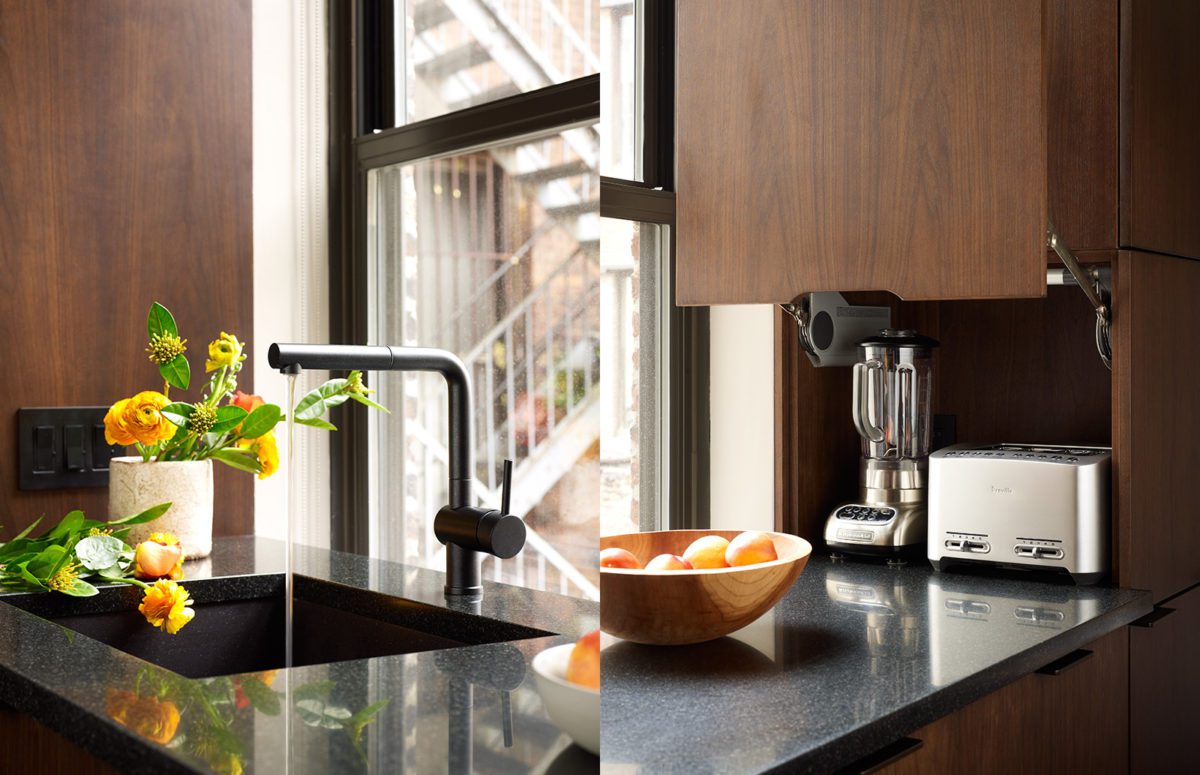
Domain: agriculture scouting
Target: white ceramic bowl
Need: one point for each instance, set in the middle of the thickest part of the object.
(573, 708)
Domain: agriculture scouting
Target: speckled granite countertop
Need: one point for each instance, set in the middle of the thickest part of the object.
(856, 656)
(444, 708)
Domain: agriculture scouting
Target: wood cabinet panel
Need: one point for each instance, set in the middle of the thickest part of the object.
(1165, 689)
(834, 145)
(125, 177)
(30, 747)
(1074, 722)
(1155, 417)
(1081, 121)
(1160, 110)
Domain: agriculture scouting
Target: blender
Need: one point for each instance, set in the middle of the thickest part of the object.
(892, 409)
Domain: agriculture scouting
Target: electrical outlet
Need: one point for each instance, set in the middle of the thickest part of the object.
(62, 447)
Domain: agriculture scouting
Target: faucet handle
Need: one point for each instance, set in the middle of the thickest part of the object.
(506, 488)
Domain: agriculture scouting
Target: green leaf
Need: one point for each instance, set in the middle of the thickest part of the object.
(261, 696)
(79, 588)
(114, 572)
(365, 716)
(316, 713)
(43, 565)
(28, 576)
(99, 552)
(149, 515)
(25, 532)
(243, 461)
(315, 402)
(160, 321)
(228, 418)
(317, 422)
(72, 522)
(368, 402)
(178, 413)
(262, 420)
(177, 372)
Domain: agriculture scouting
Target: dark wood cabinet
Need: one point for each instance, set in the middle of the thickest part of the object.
(1165, 688)
(1077, 721)
(1160, 111)
(827, 145)
(1156, 415)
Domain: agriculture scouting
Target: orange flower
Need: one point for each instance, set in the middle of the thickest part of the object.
(247, 401)
(138, 419)
(266, 449)
(158, 556)
(148, 716)
(166, 606)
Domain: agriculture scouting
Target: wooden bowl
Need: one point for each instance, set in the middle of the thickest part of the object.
(671, 608)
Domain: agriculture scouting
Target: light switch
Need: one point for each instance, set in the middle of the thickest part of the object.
(73, 442)
(43, 448)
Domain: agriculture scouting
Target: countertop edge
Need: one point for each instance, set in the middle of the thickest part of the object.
(877, 733)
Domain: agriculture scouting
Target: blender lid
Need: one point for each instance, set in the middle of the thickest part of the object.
(898, 337)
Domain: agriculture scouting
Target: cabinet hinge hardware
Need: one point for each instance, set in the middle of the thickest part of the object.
(1090, 282)
(830, 327)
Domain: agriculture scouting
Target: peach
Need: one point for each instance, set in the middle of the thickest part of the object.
(707, 552)
(615, 557)
(583, 666)
(751, 548)
(668, 562)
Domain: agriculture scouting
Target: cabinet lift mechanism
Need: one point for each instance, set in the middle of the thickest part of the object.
(1093, 281)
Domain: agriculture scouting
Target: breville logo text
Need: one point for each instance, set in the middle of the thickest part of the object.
(1000, 490)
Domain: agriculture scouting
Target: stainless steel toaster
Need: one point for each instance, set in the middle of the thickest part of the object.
(1038, 507)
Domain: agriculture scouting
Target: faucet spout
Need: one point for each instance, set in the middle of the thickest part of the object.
(464, 528)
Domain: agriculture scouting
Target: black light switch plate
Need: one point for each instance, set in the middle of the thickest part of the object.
(63, 446)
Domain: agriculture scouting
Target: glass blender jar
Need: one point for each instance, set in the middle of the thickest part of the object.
(892, 409)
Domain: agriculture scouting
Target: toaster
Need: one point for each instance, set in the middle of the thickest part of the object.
(1021, 506)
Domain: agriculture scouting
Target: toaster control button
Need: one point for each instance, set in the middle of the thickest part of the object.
(979, 547)
(1024, 550)
(955, 544)
(1049, 553)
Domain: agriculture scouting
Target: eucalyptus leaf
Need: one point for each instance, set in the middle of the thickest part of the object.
(114, 572)
(149, 515)
(228, 418)
(178, 413)
(262, 697)
(98, 552)
(240, 460)
(261, 421)
(316, 713)
(160, 321)
(177, 372)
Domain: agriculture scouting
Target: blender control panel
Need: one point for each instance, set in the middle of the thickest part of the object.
(863, 513)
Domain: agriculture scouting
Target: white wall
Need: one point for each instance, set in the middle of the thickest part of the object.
(742, 409)
(290, 254)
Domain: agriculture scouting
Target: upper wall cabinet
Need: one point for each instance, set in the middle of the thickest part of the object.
(1160, 148)
(843, 145)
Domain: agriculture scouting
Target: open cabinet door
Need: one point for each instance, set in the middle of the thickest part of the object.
(860, 145)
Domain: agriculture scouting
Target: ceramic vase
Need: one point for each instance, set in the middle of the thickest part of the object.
(135, 485)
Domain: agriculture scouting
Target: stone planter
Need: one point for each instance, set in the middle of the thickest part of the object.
(135, 485)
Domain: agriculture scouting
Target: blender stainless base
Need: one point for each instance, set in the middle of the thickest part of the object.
(887, 520)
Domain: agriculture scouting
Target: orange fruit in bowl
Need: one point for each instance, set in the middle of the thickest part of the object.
(751, 548)
(668, 562)
(707, 552)
(583, 666)
(615, 557)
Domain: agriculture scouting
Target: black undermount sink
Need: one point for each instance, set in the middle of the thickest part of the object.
(240, 621)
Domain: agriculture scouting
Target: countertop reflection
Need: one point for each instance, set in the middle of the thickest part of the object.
(856, 655)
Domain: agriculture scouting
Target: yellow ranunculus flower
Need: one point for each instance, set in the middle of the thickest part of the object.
(153, 719)
(138, 419)
(165, 606)
(225, 350)
(266, 449)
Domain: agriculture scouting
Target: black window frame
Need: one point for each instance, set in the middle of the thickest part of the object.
(362, 137)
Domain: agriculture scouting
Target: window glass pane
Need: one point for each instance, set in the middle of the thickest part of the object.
(632, 380)
(618, 89)
(494, 255)
(459, 53)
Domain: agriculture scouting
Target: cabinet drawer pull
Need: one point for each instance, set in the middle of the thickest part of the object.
(883, 757)
(1063, 664)
(1153, 618)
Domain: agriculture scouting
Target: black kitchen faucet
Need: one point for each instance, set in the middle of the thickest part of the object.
(466, 529)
